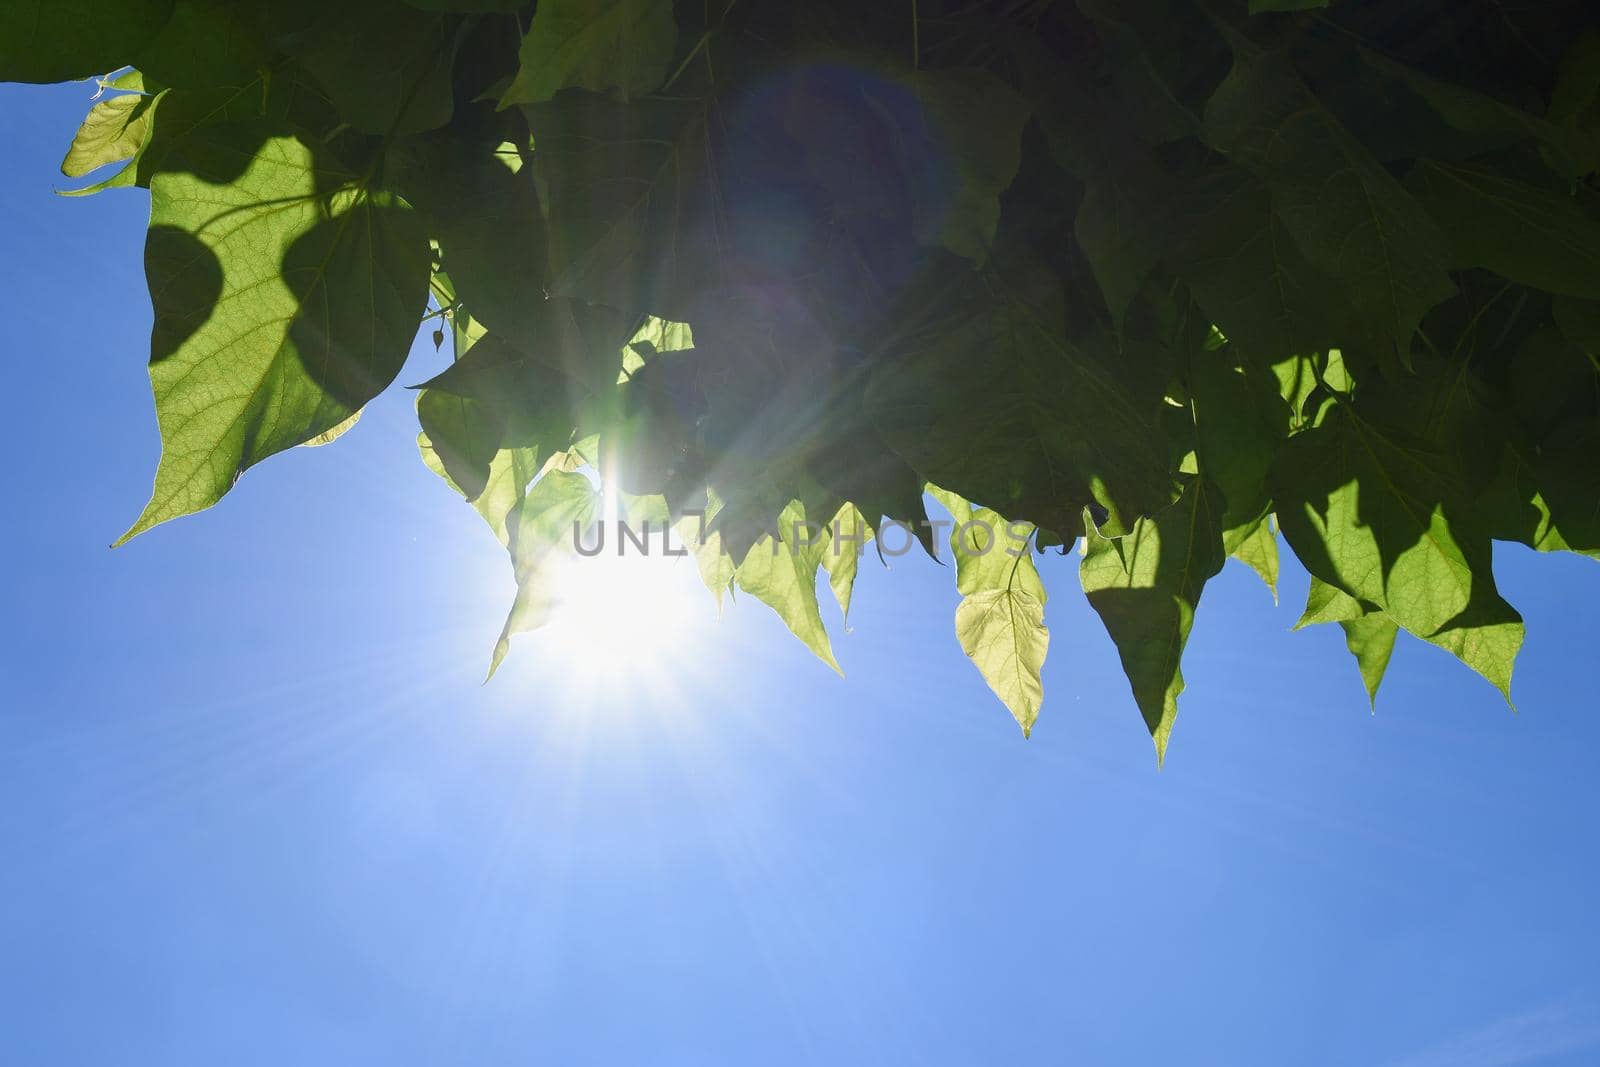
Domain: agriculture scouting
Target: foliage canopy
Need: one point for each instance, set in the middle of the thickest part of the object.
(1160, 278)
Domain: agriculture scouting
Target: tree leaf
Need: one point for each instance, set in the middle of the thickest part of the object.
(1385, 520)
(1490, 123)
(1002, 631)
(542, 530)
(114, 130)
(1370, 639)
(212, 42)
(328, 437)
(286, 99)
(1546, 498)
(1247, 272)
(848, 535)
(781, 572)
(510, 473)
(632, 206)
(245, 361)
(715, 565)
(1031, 434)
(463, 438)
(60, 40)
(560, 378)
(601, 45)
(482, 207)
(1575, 106)
(1369, 634)
(963, 157)
(1256, 546)
(1000, 620)
(504, 7)
(1530, 235)
(386, 67)
(1349, 217)
(1119, 226)
(1240, 423)
(1145, 587)
(989, 552)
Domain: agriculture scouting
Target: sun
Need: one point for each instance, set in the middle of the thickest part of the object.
(623, 617)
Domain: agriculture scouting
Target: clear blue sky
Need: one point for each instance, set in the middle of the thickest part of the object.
(255, 807)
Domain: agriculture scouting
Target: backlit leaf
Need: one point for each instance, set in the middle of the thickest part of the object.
(1383, 519)
(114, 130)
(246, 361)
(542, 531)
(1002, 631)
(781, 572)
(1145, 587)
(621, 45)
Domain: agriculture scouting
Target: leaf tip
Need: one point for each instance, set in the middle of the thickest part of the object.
(501, 647)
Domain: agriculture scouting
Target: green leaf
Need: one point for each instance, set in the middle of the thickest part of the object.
(1369, 634)
(781, 572)
(328, 437)
(541, 533)
(1259, 6)
(651, 339)
(1328, 603)
(247, 361)
(482, 208)
(1245, 269)
(990, 553)
(503, 7)
(1031, 431)
(60, 40)
(209, 43)
(1488, 645)
(1554, 382)
(715, 565)
(1119, 226)
(848, 535)
(1000, 621)
(601, 45)
(1142, 97)
(1487, 639)
(510, 473)
(1385, 519)
(1002, 631)
(963, 158)
(561, 377)
(1370, 639)
(631, 203)
(176, 116)
(464, 439)
(1490, 124)
(1530, 235)
(1545, 497)
(387, 68)
(1240, 423)
(1575, 106)
(114, 130)
(1145, 587)
(1579, 320)
(1367, 513)
(1348, 216)
(1256, 546)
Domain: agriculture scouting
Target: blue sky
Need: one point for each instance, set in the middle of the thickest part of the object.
(256, 808)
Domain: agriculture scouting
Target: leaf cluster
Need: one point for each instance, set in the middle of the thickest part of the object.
(1163, 278)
